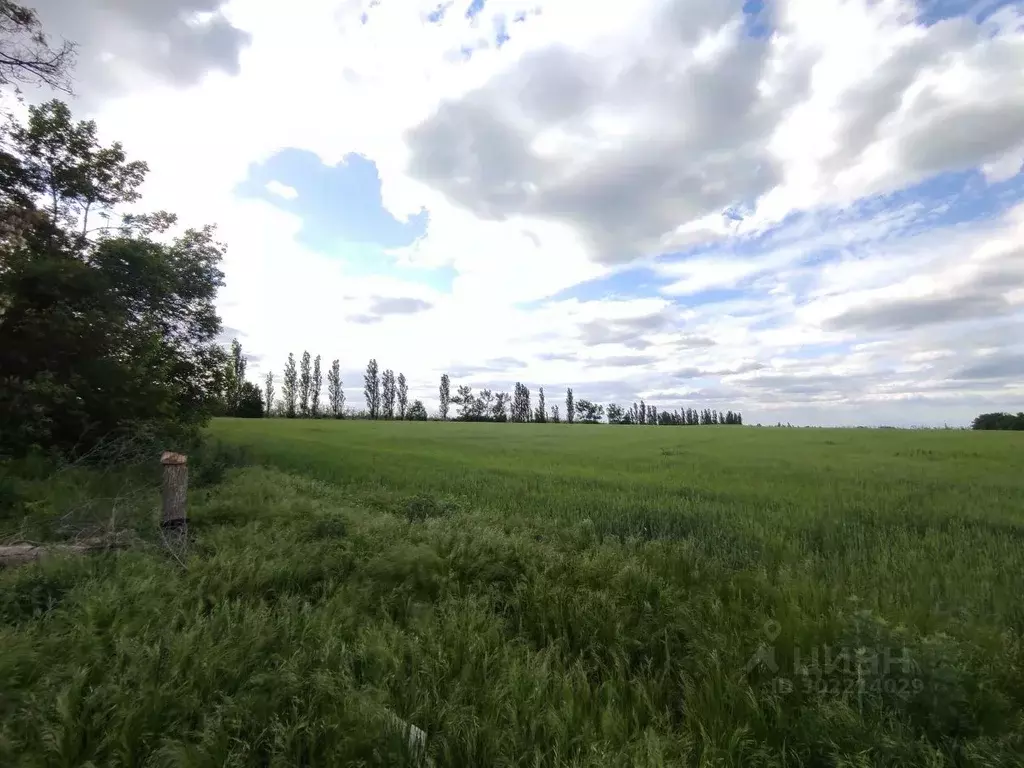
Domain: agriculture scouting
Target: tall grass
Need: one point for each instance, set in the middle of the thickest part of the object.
(545, 595)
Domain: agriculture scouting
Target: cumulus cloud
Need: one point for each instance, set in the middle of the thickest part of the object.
(586, 139)
(177, 41)
(689, 116)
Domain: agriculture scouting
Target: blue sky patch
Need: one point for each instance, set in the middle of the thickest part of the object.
(436, 16)
(340, 204)
(934, 11)
(342, 213)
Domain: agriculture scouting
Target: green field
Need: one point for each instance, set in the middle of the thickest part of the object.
(545, 595)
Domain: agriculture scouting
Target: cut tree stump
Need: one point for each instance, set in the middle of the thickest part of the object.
(175, 490)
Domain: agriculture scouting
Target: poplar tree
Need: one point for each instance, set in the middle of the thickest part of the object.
(290, 389)
(388, 385)
(403, 396)
(268, 392)
(318, 383)
(445, 392)
(371, 388)
(305, 384)
(335, 393)
(570, 406)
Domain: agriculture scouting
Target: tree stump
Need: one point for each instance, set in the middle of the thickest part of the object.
(175, 491)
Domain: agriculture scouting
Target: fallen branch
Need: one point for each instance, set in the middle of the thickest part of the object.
(13, 555)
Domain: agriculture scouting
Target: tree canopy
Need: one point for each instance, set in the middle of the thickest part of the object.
(988, 421)
(26, 54)
(101, 330)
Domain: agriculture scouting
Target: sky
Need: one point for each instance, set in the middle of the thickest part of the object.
(811, 211)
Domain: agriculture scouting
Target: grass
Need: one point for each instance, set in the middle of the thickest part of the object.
(545, 595)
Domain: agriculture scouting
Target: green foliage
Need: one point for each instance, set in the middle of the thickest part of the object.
(445, 396)
(388, 394)
(335, 390)
(588, 412)
(268, 389)
(371, 389)
(402, 393)
(250, 402)
(417, 411)
(520, 410)
(290, 388)
(1005, 421)
(97, 336)
(543, 596)
(305, 385)
(317, 384)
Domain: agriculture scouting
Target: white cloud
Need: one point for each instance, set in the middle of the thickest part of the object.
(282, 190)
(598, 134)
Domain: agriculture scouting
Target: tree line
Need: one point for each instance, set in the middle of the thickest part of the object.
(386, 397)
(1006, 421)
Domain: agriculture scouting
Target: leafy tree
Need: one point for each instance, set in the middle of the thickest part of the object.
(652, 415)
(615, 414)
(999, 421)
(570, 406)
(97, 335)
(59, 166)
(403, 395)
(305, 385)
(290, 387)
(521, 403)
(388, 385)
(234, 378)
(371, 388)
(445, 392)
(588, 412)
(499, 412)
(642, 413)
(335, 390)
(416, 411)
(482, 408)
(25, 52)
(465, 400)
(555, 417)
(316, 389)
(268, 389)
(250, 401)
(542, 413)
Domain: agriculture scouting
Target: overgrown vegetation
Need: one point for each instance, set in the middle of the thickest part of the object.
(545, 596)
